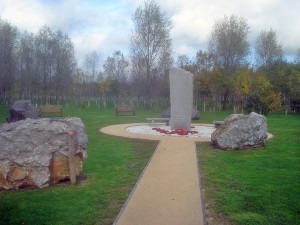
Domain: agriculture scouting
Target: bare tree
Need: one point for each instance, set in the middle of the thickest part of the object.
(26, 66)
(204, 62)
(116, 66)
(228, 43)
(44, 60)
(116, 69)
(8, 39)
(92, 67)
(268, 50)
(55, 62)
(184, 62)
(229, 46)
(150, 47)
(64, 65)
(91, 72)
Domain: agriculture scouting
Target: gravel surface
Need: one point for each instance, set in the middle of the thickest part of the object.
(198, 130)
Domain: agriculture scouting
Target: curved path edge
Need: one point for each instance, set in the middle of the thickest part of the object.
(169, 188)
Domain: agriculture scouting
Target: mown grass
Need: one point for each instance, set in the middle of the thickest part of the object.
(111, 169)
(259, 186)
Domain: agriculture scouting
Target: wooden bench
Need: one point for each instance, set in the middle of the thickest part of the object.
(51, 109)
(124, 109)
(152, 120)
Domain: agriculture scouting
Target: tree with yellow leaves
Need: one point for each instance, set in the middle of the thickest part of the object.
(104, 86)
(242, 87)
(262, 98)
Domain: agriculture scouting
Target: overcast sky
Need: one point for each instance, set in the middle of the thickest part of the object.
(104, 25)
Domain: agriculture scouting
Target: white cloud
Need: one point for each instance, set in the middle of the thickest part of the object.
(193, 20)
(104, 26)
(28, 14)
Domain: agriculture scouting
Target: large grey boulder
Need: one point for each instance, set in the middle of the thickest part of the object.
(167, 113)
(21, 110)
(34, 152)
(240, 132)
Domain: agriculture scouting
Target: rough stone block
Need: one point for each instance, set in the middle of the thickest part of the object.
(21, 110)
(34, 152)
(241, 132)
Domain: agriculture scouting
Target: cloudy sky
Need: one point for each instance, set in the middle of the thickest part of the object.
(104, 25)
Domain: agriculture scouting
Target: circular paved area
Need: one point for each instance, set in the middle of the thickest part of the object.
(120, 130)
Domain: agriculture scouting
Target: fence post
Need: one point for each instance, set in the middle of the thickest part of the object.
(72, 163)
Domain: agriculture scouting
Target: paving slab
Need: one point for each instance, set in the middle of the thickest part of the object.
(168, 192)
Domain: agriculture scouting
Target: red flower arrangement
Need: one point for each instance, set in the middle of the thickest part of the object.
(176, 131)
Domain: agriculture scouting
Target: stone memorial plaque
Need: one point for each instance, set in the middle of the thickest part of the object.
(181, 96)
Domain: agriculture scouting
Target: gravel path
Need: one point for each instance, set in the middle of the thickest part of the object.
(168, 191)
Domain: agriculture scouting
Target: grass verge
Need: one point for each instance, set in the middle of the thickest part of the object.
(111, 170)
(258, 186)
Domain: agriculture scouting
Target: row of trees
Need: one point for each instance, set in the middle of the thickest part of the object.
(226, 73)
(142, 75)
(35, 65)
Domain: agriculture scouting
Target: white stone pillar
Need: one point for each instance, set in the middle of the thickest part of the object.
(181, 96)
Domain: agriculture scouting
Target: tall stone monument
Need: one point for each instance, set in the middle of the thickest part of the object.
(181, 95)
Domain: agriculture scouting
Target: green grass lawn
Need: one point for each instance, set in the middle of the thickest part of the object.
(258, 186)
(111, 170)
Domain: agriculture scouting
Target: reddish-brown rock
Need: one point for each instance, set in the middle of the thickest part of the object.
(60, 167)
(34, 153)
